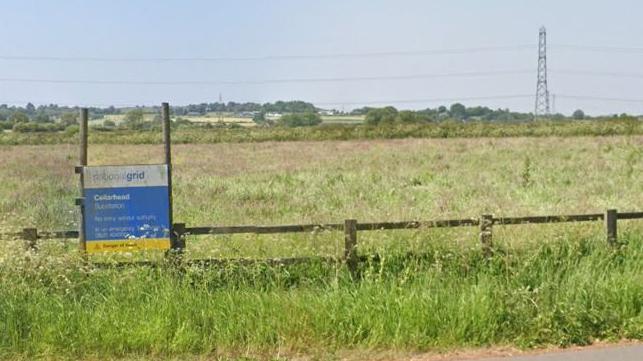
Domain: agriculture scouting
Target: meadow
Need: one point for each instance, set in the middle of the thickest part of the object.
(212, 132)
(426, 289)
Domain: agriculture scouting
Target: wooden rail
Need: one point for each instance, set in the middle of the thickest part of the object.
(351, 227)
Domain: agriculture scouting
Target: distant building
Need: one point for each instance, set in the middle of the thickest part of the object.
(247, 114)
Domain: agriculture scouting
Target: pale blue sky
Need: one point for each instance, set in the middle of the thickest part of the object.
(245, 28)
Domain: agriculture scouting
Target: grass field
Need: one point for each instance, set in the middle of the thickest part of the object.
(547, 284)
(447, 129)
(343, 119)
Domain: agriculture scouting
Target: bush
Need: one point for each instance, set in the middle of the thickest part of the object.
(181, 122)
(5, 125)
(19, 117)
(300, 120)
(381, 115)
(72, 129)
(31, 127)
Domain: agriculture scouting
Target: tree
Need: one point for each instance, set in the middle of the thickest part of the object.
(300, 120)
(68, 118)
(381, 115)
(19, 117)
(30, 108)
(409, 116)
(134, 116)
(260, 118)
(578, 114)
(41, 117)
(458, 111)
(134, 119)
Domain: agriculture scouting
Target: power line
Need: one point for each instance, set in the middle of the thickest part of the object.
(377, 54)
(426, 100)
(364, 102)
(597, 73)
(322, 80)
(592, 48)
(599, 98)
(268, 81)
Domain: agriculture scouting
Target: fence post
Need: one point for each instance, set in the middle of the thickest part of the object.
(486, 234)
(350, 246)
(611, 216)
(30, 236)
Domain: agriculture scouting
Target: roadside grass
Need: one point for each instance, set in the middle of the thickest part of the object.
(571, 291)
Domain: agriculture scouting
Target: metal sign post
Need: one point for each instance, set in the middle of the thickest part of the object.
(167, 141)
(84, 119)
(126, 207)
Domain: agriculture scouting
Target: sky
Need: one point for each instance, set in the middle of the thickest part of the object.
(97, 53)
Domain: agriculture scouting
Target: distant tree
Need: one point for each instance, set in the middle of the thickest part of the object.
(134, 116)
(458, 111)
(300, 120)
(409, 116)
(19, 117)
(69, 118)
(41, 117)
(260, 118)
(381, 115)
(134, 119)
(30, 108)
(578, 114)
(360, 111)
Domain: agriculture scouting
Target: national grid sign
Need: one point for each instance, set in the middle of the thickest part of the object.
(126, 208)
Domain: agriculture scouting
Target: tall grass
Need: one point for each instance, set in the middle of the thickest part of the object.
(559, 292)
(449, 129)
(417, 290)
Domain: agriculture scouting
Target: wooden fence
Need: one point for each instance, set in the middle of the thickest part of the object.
(485, 222)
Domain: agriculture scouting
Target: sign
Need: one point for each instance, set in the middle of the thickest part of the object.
(126, 208)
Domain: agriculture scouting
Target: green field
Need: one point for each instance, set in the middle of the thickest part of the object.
(428, 290)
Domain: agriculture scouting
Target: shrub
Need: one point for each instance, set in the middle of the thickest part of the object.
(381, 115)
(300, 120)
(32, 127)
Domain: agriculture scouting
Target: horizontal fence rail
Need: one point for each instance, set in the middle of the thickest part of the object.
(364, 226)
(351, 227)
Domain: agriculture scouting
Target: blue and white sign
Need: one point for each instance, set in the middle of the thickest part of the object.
(126, 208)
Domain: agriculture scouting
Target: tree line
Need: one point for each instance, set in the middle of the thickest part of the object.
(297, 113)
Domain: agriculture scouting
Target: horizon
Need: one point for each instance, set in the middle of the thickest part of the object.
(414, 55)
(434, 108)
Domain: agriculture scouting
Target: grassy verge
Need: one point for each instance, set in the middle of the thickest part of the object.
(342, 132)
(565, 292)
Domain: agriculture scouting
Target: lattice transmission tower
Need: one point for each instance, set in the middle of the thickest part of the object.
(542, 94)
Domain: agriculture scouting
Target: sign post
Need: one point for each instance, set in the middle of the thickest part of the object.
(84, 119)
(126, 207)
